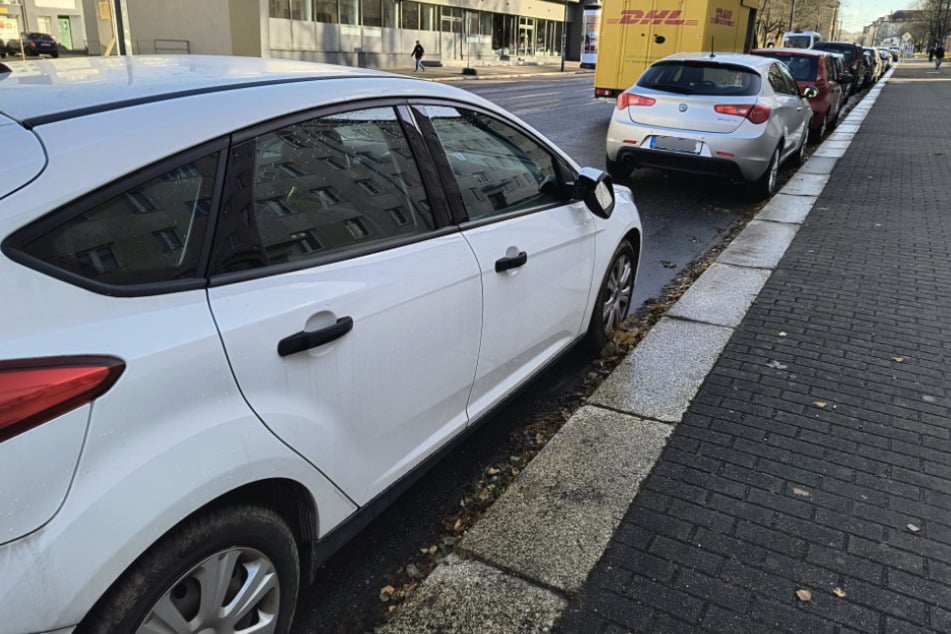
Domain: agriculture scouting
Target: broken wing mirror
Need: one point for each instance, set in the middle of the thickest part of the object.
(595, 188)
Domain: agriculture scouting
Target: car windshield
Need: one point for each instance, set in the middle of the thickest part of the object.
(693, 78)
(802, 67)
(797, 41)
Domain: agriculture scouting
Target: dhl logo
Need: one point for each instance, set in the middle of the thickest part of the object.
(654, 16)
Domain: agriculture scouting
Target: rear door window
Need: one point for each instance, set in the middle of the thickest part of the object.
(327, 187)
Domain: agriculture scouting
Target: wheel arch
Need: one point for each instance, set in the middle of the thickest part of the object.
(288, 498)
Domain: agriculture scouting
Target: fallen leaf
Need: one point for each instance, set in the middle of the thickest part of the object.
(839, 592)
(492, 471)
(898, 359)
(457, 527)
(800, 492)
(913, 528)
(777, 365)
(391, 608)
(386, 593)
(804, 595)
(782, 333)
(820, 404)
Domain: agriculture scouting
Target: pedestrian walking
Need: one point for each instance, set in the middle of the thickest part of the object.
(418, 53)
(938, 56)
(931, 54)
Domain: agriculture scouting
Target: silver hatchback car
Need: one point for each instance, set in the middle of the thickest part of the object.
(721, 114)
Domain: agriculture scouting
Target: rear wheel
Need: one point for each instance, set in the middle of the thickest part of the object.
(816, 134)
(765, 186)
(234, 569)
(614, 297)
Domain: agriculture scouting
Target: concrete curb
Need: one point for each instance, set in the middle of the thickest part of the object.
(549, 529)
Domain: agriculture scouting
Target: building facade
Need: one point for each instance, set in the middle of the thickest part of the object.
(63, 19)
(374, 33)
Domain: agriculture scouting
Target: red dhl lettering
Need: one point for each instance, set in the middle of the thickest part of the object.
(723, 17)
(662, 16)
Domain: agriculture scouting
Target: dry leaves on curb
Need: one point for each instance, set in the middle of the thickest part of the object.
(820, 404)
(914, 528)
(898, 359)
(804, 595)
(839, 592)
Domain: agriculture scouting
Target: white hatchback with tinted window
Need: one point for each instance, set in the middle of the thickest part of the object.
(244, 300)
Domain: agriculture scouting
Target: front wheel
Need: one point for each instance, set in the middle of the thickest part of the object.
(235, 569)
(614, 297)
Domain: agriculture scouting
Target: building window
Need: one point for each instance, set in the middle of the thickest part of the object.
(390, 14)
(279, 9)
(427, 17)
(325, 11)
(368, 186)
(168, 239)
(398, 214)
(307, 242)
(349, 12)
(98, 260)
(409, 15)
(357, 228)
(276, 206)
(138, 202)
(326, 196)
(372, 13)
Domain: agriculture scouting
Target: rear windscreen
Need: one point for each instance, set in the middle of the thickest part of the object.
(701, 79)
(803, 68)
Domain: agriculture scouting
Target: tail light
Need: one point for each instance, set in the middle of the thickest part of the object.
(756, 113)
(34, 391)
(627, 99)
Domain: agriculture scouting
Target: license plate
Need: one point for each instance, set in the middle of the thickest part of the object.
(674, 144)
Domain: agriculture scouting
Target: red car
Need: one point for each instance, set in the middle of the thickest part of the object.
(814, 68)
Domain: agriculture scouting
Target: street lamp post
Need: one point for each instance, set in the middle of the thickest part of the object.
(564, 36)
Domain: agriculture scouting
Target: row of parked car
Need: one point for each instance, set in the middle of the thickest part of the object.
(734, 115)
(32, 44)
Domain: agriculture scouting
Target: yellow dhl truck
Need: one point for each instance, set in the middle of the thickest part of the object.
(636, 33)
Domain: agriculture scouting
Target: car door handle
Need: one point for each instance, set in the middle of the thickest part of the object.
(303, 340)
(504, 264)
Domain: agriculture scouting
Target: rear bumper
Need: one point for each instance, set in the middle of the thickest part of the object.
(706, 166)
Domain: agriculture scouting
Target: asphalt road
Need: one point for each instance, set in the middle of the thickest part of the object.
(683, 217)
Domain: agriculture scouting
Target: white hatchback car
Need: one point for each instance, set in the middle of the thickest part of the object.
(246, 299)
(718, 114)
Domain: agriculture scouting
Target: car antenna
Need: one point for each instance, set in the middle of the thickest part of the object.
(712, 48)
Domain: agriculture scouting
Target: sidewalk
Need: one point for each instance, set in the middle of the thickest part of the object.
(494, 70)
(776, 454)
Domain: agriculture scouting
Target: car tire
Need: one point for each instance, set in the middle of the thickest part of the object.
(614, 297)
(765, 185)
(617, 169)
(816, 135)
(255, 543)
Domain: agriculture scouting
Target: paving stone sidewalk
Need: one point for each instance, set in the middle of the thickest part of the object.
(816, 456)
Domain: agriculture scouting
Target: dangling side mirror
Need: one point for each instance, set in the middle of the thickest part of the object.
(596, 189)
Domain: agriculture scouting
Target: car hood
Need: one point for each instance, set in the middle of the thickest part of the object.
(25, 157)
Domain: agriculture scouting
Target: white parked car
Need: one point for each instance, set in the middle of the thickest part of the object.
(244, 299)
(722, 114)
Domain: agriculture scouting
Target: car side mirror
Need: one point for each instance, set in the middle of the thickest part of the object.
(810, 92)
(596, 189)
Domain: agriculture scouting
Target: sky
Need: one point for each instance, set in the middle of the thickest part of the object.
(856, 14)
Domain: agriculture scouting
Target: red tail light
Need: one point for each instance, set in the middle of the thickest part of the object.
(34, 391)
(627, 99)
(756, 113)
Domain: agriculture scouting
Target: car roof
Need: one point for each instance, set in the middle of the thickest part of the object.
(802, 52)
(37, 92)
(753, 61)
